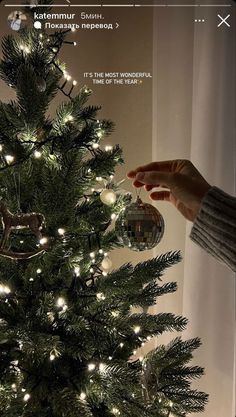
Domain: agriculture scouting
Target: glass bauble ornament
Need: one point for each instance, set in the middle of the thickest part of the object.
(108, 197)
(107, 263)
(140, 226)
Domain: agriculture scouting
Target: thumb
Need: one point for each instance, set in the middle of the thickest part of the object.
(154, 178)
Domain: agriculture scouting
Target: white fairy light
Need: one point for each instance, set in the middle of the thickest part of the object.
(61, 302)
(140, 358)
(113, 216)
(43, 241)
(9, 158)
(121, 345)
(171, 404)
(31, 279)
(108, 148)
(149, 338)
(102, 367)
(23, 389)
(91, 270)
(92, 255)
(75, 82)
(100, 296)
(75, 43)
(104, 273)
(37, 154)
(82, 396)
(38, 271)
(26, 397)
(134, 352)
(98, 178)
(61, 231)
(111, 177)
(1, 148)
(4, 289)
(142, 344)
(101, 251)
(99, 133)
(110, 358)
(52, 357)
(137, 329)
(115, 411)
(95, 145)
(26, 49)
(13, 386)
(21, 241)
(77, 270)
(91, 366)
(115, 313)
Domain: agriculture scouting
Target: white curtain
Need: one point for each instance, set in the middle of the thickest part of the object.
(194, 110)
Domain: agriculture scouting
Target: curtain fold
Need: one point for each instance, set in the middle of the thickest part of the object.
(194, 117)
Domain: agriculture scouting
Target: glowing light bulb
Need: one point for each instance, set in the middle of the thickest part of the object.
(26, 397)
(102, 367)
(140, 358)
(27, 50)
(134, 352)
(108, 148)
(75, 82)
(100, 296)
(121, 345)
(1, 148)
(61, 302)
(9, 158)
(61, 231)
(110, 358)
(115, 411)
(31, 279)
(91, 366)
(104, 273)
(137, 329)
(77, 270)
(113, 216)
(37, 154)
(99, 134)
(68, 77)
(115, 313)
(101, 251)
(13, 386)
(95, 145)
(92, 255)
(38, 271)
(82, 396)
(52, 357)
(91, 270)
(43, 241)
(75, 43)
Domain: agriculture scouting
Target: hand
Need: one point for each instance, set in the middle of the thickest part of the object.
(185, 187)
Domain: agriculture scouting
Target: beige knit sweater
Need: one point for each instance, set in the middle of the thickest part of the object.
(214, 228)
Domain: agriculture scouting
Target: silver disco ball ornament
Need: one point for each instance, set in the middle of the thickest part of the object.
(140, 226)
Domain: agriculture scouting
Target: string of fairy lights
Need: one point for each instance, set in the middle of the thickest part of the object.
(96, 257)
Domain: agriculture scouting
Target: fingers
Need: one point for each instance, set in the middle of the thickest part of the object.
(153, 178)
(160, 195)
(164, 166)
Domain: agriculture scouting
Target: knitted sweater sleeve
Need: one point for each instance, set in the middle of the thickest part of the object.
(214, 228)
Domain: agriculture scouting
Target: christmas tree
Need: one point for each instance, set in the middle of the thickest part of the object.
(68, 332)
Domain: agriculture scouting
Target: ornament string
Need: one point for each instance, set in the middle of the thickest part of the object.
(138, 192)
